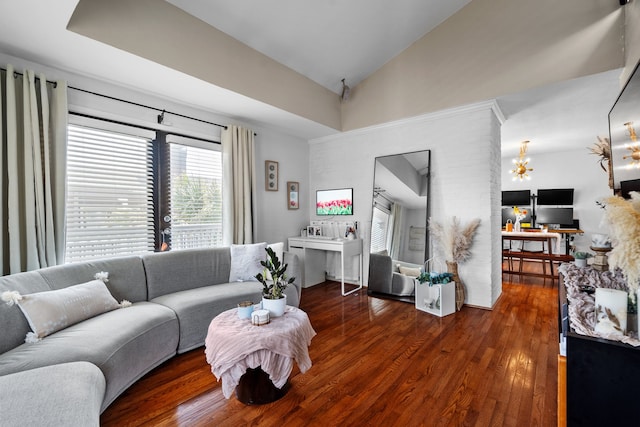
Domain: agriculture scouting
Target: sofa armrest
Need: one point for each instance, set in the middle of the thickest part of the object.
(294, 269)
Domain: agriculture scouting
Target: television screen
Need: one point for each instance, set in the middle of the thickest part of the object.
(334, 202)
(560, 216)
(507, 213)
(516, 198)
(627, 186)
(558, 196)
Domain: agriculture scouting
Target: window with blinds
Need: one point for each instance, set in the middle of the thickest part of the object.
(196, 196)
(109, 194)
(379, 230)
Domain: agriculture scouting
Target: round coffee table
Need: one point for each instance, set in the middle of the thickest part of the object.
(256, 361)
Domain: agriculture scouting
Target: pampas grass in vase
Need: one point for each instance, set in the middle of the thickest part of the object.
(453, 241)
(623, 219)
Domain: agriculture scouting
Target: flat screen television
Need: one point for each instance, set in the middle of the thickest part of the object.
(627, 186)
(557, 196)
(560, 216)
(516, 198)
(334, 202)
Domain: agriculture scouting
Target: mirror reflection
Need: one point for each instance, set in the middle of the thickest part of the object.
(399, 233)
(624, 127)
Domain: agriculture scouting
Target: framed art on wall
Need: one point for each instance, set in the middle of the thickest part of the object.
(293, 191)
(270, 175)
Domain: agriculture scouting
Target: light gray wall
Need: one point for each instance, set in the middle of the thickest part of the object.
(465, 162)
(275, 222)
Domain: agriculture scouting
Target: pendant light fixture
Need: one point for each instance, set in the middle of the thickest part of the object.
(520, 165)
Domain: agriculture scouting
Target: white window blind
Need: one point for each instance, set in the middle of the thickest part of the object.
(196, 197)
(109, 194)
(379, 228)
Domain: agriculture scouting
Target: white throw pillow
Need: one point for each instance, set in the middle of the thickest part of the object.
(51, 311)
(409, 272)
(245, 261)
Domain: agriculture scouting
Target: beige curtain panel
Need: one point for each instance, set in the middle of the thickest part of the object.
(239, 185)
(33, 124)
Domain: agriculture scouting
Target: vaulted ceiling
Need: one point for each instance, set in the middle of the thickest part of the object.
(322, 41)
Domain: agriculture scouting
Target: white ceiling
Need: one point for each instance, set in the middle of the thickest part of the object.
(325, 41)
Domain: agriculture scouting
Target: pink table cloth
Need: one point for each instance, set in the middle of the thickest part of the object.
(233, 345)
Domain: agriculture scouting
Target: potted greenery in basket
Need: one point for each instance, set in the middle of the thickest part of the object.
(433, 278)
(274, 282)
(581, 258)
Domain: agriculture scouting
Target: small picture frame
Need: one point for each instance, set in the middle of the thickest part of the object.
(293, 195)
(314, 231)
(270, 175)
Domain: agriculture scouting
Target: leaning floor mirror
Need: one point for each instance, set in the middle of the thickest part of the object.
(399, 232)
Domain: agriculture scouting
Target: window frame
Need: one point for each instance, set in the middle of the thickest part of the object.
(160, 164)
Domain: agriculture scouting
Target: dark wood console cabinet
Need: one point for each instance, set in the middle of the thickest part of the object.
(603, 377)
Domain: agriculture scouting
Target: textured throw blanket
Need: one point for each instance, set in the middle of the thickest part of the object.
(582, 314)
(234, 344)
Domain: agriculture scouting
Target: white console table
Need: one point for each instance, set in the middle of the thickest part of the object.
(312, 253)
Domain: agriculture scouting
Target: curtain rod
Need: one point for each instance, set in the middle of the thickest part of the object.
(118, 122)
(162, 111)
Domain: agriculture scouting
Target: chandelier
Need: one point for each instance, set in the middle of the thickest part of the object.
(520, 169)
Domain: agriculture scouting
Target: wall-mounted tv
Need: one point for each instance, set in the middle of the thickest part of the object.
(334, 202)
(557, 196)
(516, 198)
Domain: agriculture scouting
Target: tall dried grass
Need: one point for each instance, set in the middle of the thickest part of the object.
(623, 219)
(453, 240)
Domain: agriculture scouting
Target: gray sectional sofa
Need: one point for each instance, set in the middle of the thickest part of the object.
(72, 375)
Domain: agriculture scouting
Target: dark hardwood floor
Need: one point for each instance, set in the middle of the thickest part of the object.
(380, 362)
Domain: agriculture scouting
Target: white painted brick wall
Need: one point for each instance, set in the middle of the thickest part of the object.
(465, 146)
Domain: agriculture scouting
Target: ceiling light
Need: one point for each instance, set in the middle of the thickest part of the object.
(520, 169)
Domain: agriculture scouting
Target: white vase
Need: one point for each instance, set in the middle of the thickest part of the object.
(580, 262)
(275, 306)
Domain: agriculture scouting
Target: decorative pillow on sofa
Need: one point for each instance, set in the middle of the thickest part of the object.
(409, 271)
(51, 311)
(245, 261)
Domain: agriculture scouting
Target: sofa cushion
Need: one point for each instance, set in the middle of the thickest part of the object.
(176, 271)
(245, 261)
(68, 394)
(51, 311)
(14, 325)
(127, 280)
(196, 308)
(409, 271)
(125, 344)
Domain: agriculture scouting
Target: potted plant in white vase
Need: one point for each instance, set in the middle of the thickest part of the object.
(274, 282)
(581, 258)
